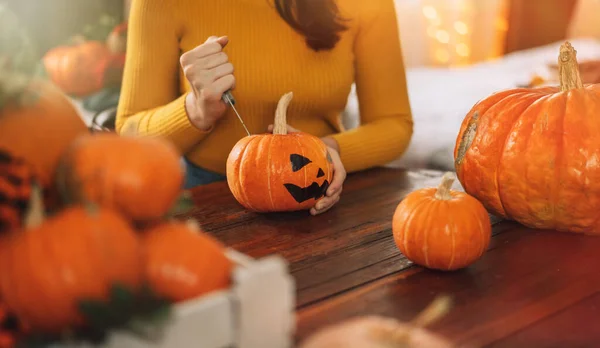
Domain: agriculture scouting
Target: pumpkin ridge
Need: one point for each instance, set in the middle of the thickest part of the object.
(486, 120)
(242, 162)
(432, 207)
(534, 98)
(408, 220)
(451, 220)
(558, 161)
(269, 172)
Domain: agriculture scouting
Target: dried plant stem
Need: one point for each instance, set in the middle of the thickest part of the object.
(568, 69)
(280, 124)
(435, 311)
(443, 191)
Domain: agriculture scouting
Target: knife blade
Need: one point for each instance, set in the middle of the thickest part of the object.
(228, 98)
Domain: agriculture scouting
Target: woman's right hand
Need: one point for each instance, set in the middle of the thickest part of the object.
(210, 74)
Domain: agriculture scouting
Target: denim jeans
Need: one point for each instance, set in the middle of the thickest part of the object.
(196, 176)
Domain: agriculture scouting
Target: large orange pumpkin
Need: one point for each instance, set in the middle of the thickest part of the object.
(182, 262)
(533, 155)
(141, 177)
(279, 171)
(440, 228)
(76, 255)
(78, 70)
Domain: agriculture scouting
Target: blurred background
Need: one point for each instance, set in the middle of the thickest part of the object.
(434, 32)
(456, 52)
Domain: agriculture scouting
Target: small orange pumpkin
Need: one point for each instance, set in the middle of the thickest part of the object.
(441, 228)
(533, 155)
(141, 177)
(16, 179)
(78, 70)
(75, 255)
(279, 171)
(182, 262)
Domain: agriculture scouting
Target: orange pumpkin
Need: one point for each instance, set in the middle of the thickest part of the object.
(39, 128)
(441, 228)
(141, 177)
(79, 69)
(16, 178)
(533, 155)
(52, 265)
(279, 171)
(182, 262)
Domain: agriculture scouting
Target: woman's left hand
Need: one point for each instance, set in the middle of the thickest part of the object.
(332, 196)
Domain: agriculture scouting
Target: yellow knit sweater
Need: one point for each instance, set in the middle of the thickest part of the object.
(270, 59)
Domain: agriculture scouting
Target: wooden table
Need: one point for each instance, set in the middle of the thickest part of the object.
(531, 289)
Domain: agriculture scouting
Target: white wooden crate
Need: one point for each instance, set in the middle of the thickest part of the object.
(258, 311)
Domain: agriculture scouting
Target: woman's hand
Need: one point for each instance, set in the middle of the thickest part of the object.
(339, 175)
(210, 74)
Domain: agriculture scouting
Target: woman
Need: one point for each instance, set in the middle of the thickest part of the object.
(181, 57)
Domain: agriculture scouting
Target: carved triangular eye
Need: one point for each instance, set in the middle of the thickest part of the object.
(298, 162)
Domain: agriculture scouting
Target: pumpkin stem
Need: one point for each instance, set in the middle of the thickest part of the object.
(36, 214)
(443, 191)
(280, 124)
(568, 69)
(193, 225)
(433, 312)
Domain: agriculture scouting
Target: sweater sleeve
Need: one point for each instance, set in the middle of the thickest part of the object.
(386, 121)
(151, 103)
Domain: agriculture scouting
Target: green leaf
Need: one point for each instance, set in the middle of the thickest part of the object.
(183, 205)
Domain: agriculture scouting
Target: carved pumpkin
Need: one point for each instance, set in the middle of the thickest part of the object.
(279, 171)
(141, 177)
(16, 178)
(441, 228)
(37, 121)
(76, 255)
(533, 155)
(78, 70)
(182, 262)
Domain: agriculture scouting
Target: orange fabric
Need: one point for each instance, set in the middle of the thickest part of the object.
(270, 59)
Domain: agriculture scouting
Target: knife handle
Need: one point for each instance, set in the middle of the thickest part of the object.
(228, 98)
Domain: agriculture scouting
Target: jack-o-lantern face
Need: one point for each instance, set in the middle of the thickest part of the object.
(312, 191)
(279, 171)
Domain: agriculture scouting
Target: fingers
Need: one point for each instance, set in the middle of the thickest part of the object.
(339, 174)
(214, 60)
(208, 69)
(324, 205)
(224, 84)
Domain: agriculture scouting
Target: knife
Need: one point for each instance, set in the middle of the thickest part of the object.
(228, 98)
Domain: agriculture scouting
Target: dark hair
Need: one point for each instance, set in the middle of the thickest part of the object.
(317, 20)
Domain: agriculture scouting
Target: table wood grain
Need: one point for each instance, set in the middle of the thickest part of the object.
(531, 289)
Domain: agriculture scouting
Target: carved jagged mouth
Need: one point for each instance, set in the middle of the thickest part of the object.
(303, 194)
